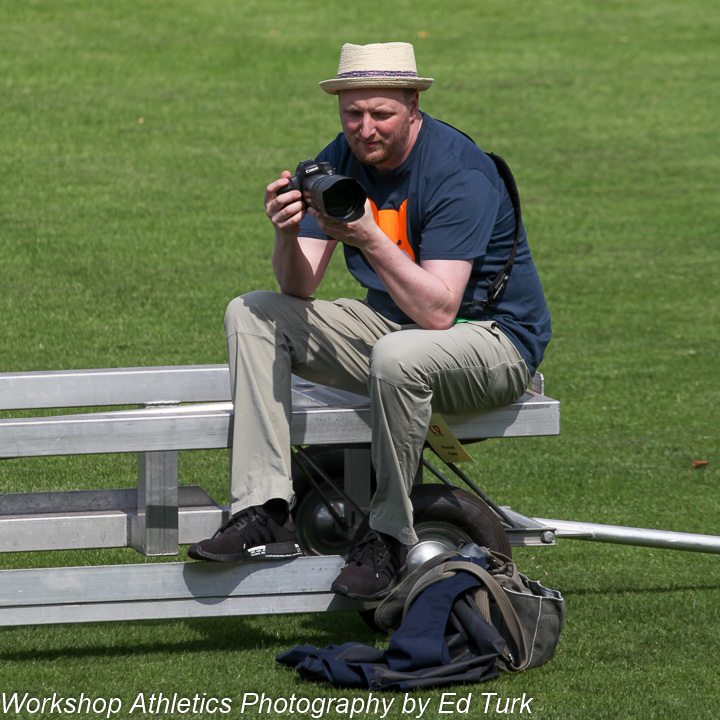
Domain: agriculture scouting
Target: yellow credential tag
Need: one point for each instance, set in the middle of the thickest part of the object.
(444, 443)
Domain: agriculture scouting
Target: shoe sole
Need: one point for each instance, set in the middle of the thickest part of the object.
(271, 551)
(342, 590)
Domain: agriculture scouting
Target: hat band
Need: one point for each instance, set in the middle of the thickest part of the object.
(376, 73)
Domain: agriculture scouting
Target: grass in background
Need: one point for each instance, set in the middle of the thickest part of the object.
(136, 140)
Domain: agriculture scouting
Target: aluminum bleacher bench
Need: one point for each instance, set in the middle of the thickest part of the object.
(188, 408)
(183, 408)
(180, 408)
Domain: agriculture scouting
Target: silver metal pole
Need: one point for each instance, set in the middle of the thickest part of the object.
(633, 536)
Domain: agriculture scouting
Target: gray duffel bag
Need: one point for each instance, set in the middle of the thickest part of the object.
(528, 615)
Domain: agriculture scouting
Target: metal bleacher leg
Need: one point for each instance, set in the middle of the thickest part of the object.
(156, 529)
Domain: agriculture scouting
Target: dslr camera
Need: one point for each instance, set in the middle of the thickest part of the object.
(339, 197)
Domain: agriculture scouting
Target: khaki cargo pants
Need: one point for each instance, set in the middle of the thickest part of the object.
(408, 373)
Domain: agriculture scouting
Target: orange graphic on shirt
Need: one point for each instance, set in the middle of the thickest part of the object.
(394, 224)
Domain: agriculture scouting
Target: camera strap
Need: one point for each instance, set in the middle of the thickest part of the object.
(500, 281)
(497, 286)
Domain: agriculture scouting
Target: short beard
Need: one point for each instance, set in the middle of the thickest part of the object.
(385, 151)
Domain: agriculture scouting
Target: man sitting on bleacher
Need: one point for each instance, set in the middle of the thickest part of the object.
(438, 227)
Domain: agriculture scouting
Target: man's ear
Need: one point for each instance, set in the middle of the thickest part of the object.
(413, 101)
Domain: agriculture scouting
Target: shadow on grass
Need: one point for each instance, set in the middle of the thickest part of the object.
(180, 637)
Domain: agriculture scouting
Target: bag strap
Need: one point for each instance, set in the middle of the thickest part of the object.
(429, 578)
(483, 602)
(506, 609)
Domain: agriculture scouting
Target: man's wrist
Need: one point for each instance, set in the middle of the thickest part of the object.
(286, 237)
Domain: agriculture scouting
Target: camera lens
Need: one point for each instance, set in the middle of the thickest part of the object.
(338, 197)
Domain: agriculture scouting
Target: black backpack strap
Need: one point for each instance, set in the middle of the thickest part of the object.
(499, 283)
(497, 286)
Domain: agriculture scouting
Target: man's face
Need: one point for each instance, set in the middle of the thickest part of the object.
(380, 125)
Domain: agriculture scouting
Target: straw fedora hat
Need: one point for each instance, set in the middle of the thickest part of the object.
(378, 65)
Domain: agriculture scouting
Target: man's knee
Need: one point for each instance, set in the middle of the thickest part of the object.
(390, 363)
(257, 304)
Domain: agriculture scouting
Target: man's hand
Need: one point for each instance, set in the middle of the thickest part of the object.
(285, 211)
(358, 234)
(299, 263)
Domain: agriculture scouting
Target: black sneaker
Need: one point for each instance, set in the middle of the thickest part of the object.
(373, 567)
(251, 534)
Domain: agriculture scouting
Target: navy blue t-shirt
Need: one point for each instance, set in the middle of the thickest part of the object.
(447, 201)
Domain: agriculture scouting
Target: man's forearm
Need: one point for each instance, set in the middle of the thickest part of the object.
(300, 263)
(422, 295)
(429, 294)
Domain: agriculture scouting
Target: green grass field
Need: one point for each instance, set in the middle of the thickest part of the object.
(136, 140)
